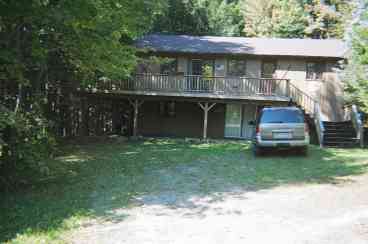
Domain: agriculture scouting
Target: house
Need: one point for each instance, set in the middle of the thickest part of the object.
(214, 86)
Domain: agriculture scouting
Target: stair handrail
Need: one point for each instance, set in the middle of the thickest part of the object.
(357, 124)
(301, 98)
(311, 106)
(320, 128)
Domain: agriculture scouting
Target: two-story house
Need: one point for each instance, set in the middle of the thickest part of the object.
(214, 86)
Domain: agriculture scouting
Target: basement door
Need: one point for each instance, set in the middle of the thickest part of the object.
(238, 121)
(248, 122)
(233, 120)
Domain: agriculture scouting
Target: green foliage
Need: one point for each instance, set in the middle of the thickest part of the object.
(356, 77)
(46, 41)
(276, 18)
(296, 18)
(200, 17)
(327, 19)
(26, 142)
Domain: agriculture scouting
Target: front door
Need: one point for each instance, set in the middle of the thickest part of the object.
(233, 120)
(248, 123)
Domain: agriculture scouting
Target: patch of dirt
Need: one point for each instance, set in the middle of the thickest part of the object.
(305, 214)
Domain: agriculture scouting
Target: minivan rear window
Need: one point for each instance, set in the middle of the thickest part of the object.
(277, 116)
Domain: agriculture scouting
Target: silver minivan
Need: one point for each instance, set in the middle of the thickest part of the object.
(280, 128)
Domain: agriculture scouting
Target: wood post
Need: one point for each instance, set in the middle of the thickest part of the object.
(205, 107)
(136, 104)
(85, 116)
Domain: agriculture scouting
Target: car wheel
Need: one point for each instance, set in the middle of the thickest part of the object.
(257, 151)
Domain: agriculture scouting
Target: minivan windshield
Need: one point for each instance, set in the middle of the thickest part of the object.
(276, 116)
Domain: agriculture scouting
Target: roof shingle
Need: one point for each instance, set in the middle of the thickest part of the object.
(331, 48)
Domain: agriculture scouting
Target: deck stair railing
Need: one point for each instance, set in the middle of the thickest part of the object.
(358, 124)
(311, 107)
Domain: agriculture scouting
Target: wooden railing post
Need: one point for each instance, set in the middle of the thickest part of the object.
(287, 88)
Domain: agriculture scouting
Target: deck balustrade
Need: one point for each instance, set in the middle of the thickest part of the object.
(216, 85)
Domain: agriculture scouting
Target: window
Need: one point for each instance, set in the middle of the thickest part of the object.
(236, 67)
(277, 116)
(315, 70)
(268, 69)
(169, 67)
(167, 109)
(203, 67)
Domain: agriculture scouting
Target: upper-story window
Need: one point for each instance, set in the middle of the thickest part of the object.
(268, 68)
(203, 67)
(169, 67)
(315, 70)
(236, 67)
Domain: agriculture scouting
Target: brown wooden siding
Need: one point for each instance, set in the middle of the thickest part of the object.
(187, 121)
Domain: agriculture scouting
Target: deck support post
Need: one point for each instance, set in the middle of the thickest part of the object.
(205, 107)
(136, 104)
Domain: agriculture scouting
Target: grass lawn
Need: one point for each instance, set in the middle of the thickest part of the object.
(90, 181)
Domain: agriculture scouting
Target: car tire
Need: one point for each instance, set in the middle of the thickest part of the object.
(257, 151)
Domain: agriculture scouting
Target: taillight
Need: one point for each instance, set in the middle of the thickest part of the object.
(258, 130)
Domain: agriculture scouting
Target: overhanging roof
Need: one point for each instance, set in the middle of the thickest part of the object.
(330, 48)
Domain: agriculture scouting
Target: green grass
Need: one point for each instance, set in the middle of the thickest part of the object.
(91, 181)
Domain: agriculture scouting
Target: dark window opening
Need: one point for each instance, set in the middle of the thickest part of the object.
(170, 67)
(167, 109)
(268, 69)
(203, 67)
(236, 67)
(315, 70)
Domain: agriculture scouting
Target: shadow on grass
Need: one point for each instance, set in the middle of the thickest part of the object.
(97, 180)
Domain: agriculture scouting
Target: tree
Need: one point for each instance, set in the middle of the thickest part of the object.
(200, 17)
(43, 42)
(182, 17)
(355, 74)
(274, 18)
(327, 19)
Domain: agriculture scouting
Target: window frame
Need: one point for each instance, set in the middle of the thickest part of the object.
(202, 62)
(315, 77)
(237, 60)
(175, 67)
(274, 62)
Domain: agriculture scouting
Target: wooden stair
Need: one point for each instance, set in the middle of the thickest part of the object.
(340, 135)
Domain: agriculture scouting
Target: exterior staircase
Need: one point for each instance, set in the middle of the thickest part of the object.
(345, 134)
(340, 134)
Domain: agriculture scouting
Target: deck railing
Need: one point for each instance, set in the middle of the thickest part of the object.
(220, 85)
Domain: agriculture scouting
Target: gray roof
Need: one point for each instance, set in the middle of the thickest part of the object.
(242, 46)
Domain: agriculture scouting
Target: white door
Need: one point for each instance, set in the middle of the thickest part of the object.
(249, 116)
(233, 120)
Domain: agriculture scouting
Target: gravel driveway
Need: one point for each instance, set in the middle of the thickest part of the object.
(308, 214)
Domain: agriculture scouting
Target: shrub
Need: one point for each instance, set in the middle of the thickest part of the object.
(25, 141)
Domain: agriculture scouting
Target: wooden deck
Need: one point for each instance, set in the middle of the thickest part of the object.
(189, 86)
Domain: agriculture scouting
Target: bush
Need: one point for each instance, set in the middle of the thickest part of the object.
(25, 141)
